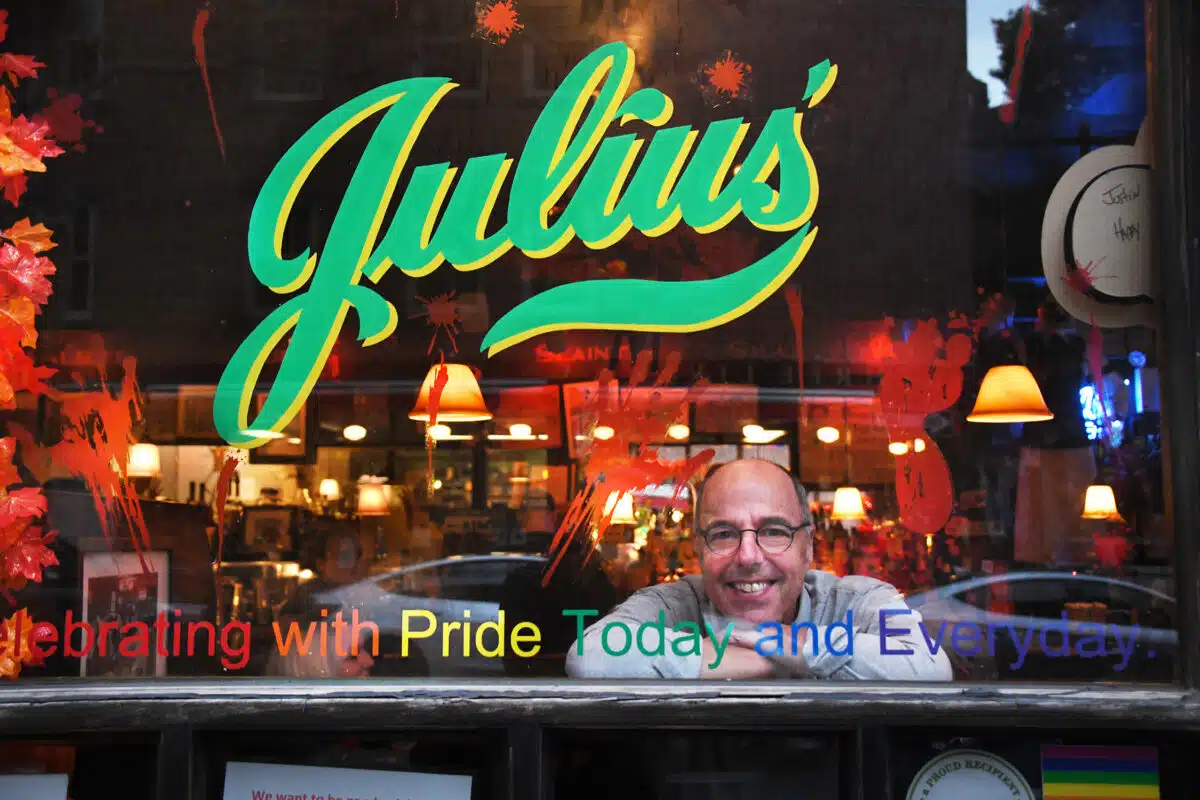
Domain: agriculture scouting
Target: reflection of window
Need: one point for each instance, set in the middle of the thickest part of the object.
(546, 63)
(591, 10)
(82, 56)
(443, 17)
(291, 58)
(455, 57)
(74, 288)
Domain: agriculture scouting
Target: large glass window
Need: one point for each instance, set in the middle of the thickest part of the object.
(643, 340)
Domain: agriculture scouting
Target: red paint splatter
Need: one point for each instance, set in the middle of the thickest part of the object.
(627, 462)
(198, 46)
(1008, 111)
(1082, 278)
(97, 434)
(442, 313)
(924, 377)
(230, 466)
(440, 379)
(497, 21)
(728, 75)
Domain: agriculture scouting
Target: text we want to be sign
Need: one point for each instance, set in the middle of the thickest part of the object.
(247, 781)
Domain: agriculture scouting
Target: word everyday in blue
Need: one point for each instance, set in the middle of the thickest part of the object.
(1054, 639)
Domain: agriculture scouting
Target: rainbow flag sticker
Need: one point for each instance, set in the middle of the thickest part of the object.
(1099, 773)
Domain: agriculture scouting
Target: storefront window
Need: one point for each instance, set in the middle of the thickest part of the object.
(649, 340)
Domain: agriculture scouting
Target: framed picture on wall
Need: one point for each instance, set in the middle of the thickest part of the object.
(296, 444)
(268, 529)
(117, 592)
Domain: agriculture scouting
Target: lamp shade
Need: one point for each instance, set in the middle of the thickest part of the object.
(621, 508)
(461, 399)
(848, 504)
(329, 489)
(143, 461)
(1100, 503)
(372, 500)
(1009, 394)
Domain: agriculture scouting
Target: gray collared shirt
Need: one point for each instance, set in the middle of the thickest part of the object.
(831, 604)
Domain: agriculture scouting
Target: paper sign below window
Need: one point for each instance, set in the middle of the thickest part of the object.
(247, 781)
(34, 787)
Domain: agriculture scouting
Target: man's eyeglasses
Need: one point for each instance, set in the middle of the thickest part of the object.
(773, 538)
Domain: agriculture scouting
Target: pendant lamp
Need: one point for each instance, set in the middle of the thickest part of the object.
(848, 504)
(1009, 394)
(621, 507)
(461, 400)
(1100, 503)
(847, 500)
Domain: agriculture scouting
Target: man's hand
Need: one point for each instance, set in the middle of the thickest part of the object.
(737, 663)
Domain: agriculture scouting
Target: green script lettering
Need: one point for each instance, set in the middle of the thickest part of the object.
(682, 176)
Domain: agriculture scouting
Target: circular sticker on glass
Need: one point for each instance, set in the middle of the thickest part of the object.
(969, 773)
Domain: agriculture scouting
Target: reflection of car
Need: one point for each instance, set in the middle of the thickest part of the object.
(1115, 630)
(449, 587)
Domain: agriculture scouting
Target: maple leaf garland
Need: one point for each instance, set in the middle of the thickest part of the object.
(25, 143)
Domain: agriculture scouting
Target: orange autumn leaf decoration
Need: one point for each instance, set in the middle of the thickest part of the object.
(25, 272)
(17, 320)
(16, 67)
(17, 635)
(34, 237)
(25, 143)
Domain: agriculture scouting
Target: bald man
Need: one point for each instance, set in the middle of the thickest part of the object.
(757, 611)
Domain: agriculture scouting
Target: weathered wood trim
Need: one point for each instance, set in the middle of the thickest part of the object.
(72, 705)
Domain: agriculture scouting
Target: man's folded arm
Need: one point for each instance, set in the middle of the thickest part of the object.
(903, 655)
(649, 657)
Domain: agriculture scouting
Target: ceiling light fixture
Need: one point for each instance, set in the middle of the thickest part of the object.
(828, 434)
(757, 434)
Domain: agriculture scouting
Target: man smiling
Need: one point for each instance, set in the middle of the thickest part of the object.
(757, 610)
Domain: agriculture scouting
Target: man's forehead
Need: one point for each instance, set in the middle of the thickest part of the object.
(750, 488)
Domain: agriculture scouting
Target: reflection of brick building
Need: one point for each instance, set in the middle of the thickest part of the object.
(169, 277)
(157, 258)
